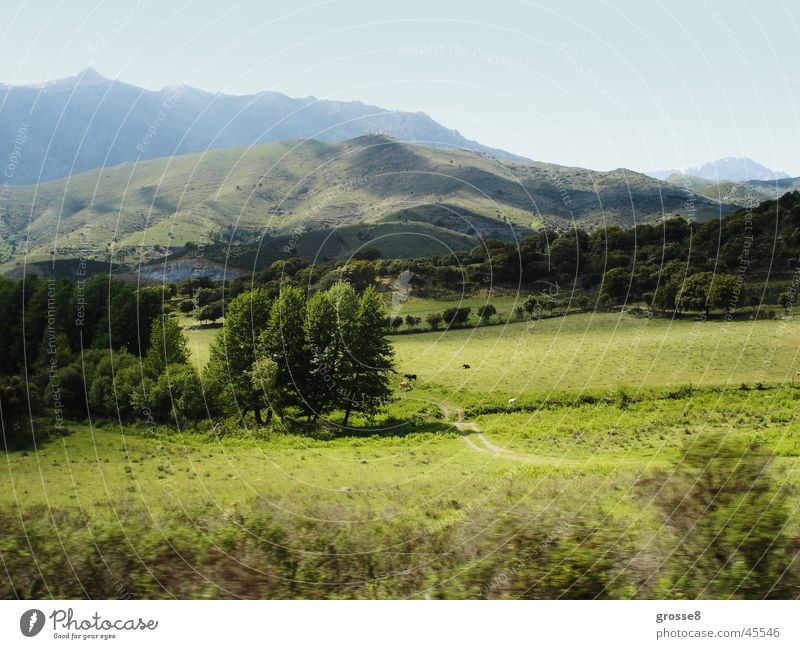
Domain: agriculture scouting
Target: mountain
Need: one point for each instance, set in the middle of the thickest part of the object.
(321, 199)
(735, 169)
(724, 169)
(60, 128)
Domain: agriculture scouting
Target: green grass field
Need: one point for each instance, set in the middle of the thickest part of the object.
(601, 350)
(198, 338)
(573, 475)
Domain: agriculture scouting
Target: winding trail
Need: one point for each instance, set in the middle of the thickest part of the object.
(475, 439)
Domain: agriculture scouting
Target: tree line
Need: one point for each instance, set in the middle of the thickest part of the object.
(668, 266)
(104, 349)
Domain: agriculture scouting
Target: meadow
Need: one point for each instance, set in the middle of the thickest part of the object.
(601, 350)
(452, 491)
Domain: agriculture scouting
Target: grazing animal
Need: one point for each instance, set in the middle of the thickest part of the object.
(796, 376)
(514, 400)
(411, 377)
(465, 366)
(405, 385)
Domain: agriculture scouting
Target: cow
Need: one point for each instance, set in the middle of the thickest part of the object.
(465, 366)
(405, 385)
(511, 401)
(411, 377)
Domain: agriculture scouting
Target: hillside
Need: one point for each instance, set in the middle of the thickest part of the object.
(86, 122)
(323, 199)
(742, 193)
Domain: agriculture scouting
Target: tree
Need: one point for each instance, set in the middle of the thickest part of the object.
(329, 323)
(234, 351)
(396, 322)
(284, 341)
(167, 345)
(211, 312)
(206, 296)
(532, 305)
(366, 385)
(178, 395)
(15, 397)
(725, 292)
(666, 297)
(186, 306)
(486, 312)
(111, 382)
(359, 273)
(330, 352)
(456, 316)
(125, 313)
(616, 284)
(434, 320)
(412, 321)
(694, 293)
(264, 380)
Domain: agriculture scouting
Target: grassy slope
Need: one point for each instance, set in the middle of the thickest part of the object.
(370, 180)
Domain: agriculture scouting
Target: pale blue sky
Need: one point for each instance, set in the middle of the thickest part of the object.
(639, 84)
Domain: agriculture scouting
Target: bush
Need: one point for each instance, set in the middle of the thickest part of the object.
(729, 522)
(178, 395)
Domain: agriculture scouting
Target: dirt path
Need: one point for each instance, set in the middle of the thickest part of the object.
(475, 439)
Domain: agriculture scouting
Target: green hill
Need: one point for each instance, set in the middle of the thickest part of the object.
(322, 200)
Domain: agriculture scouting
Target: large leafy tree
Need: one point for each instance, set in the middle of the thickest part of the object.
(284, 341)
(616, 284)
(178, 395)
(327, 343)
(705, 291)
(233, 353)
(167, 345)
(726, 292)
(371, 358)
(331, 352)
(694, 293)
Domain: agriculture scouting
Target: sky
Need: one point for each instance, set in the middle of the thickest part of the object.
(637, 84)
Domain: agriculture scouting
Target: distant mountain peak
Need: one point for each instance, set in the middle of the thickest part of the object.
(86, 77)
(730, 168)
(90, 74)
(735, 169)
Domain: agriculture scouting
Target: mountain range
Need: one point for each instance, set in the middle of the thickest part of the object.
(730, 169)
(64, 127)
(104, 171)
